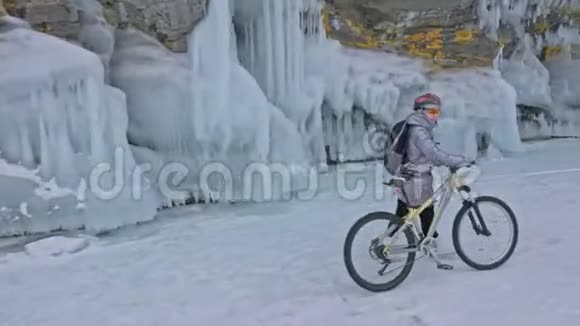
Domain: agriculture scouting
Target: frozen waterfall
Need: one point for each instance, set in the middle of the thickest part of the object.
(61, 129)
(205, 111)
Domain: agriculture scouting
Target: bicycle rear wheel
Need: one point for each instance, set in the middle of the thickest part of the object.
(378, 263)
(488, 220)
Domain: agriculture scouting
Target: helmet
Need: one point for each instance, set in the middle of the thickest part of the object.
(426, 100)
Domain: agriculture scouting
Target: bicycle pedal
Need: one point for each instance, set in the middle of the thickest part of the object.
(446, 267)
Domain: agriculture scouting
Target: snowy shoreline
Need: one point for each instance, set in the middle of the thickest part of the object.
(285, 265)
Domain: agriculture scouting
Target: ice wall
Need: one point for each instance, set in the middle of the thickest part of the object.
(203, 110)
(482, 103)
(534, 22)
(366, 90)
(271, 40)
(538, 25)
(363, 91)
(565, 87)
(59, 123)
(528, 75)
(260, 84)
(476, 102)
(284, 46)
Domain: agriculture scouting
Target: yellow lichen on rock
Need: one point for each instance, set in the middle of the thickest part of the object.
(438, 42)
(551, 52)
(541, 26)
(435, 45)
(350, 32)
(463, 36)
(425, 44)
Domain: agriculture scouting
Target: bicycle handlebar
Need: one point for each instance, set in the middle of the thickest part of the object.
(456, 168)
(399, 181)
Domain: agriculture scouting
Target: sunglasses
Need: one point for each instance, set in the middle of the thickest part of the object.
(433, 111)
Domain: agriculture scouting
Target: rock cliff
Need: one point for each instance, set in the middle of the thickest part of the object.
(451, 33)
(169, 21)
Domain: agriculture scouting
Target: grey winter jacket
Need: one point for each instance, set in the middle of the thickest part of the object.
(422, 155)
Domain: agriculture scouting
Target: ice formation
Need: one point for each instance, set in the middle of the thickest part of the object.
(480, 103)
(272, 88)
(529, 76)
(272, 36)
(565, 87)
(493, 13)
(565, 81)
(203, 110)
(59, 121)
(383, 87)
(269, 89)
(540, 87)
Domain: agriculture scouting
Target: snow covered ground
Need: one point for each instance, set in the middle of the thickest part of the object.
(280, 263)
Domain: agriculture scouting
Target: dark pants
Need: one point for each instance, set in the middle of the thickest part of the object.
(426, 216)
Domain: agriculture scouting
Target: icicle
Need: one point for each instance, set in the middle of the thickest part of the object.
(269, 47)
(40, 103)
(26, 150)
(65, 158)
(92, 99)
(252, 35)
(289, 51)
(280, 49)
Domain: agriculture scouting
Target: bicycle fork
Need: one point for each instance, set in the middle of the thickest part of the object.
(468, 199)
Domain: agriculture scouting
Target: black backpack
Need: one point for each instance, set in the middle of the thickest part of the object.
(396, 147)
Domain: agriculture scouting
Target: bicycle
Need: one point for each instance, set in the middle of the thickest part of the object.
(382, 250)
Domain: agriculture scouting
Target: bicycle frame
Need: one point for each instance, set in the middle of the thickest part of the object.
(445, 191)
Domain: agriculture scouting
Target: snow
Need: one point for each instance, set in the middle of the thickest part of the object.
(58, 122)
(56, 246)
(281, 263)
(45, 190)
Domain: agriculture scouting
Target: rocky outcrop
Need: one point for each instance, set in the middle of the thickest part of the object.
(56, 17)
(444, 32)
(169, 21)
(449, 33)
(2, 9)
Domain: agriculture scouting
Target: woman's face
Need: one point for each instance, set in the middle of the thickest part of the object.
(432, 113)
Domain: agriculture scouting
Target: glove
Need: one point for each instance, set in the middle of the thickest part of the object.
(463, 165)
(468, 163)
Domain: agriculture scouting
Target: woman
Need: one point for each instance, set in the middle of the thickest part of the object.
(422, 154)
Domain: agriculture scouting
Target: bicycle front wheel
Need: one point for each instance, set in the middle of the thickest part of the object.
(485, 233)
